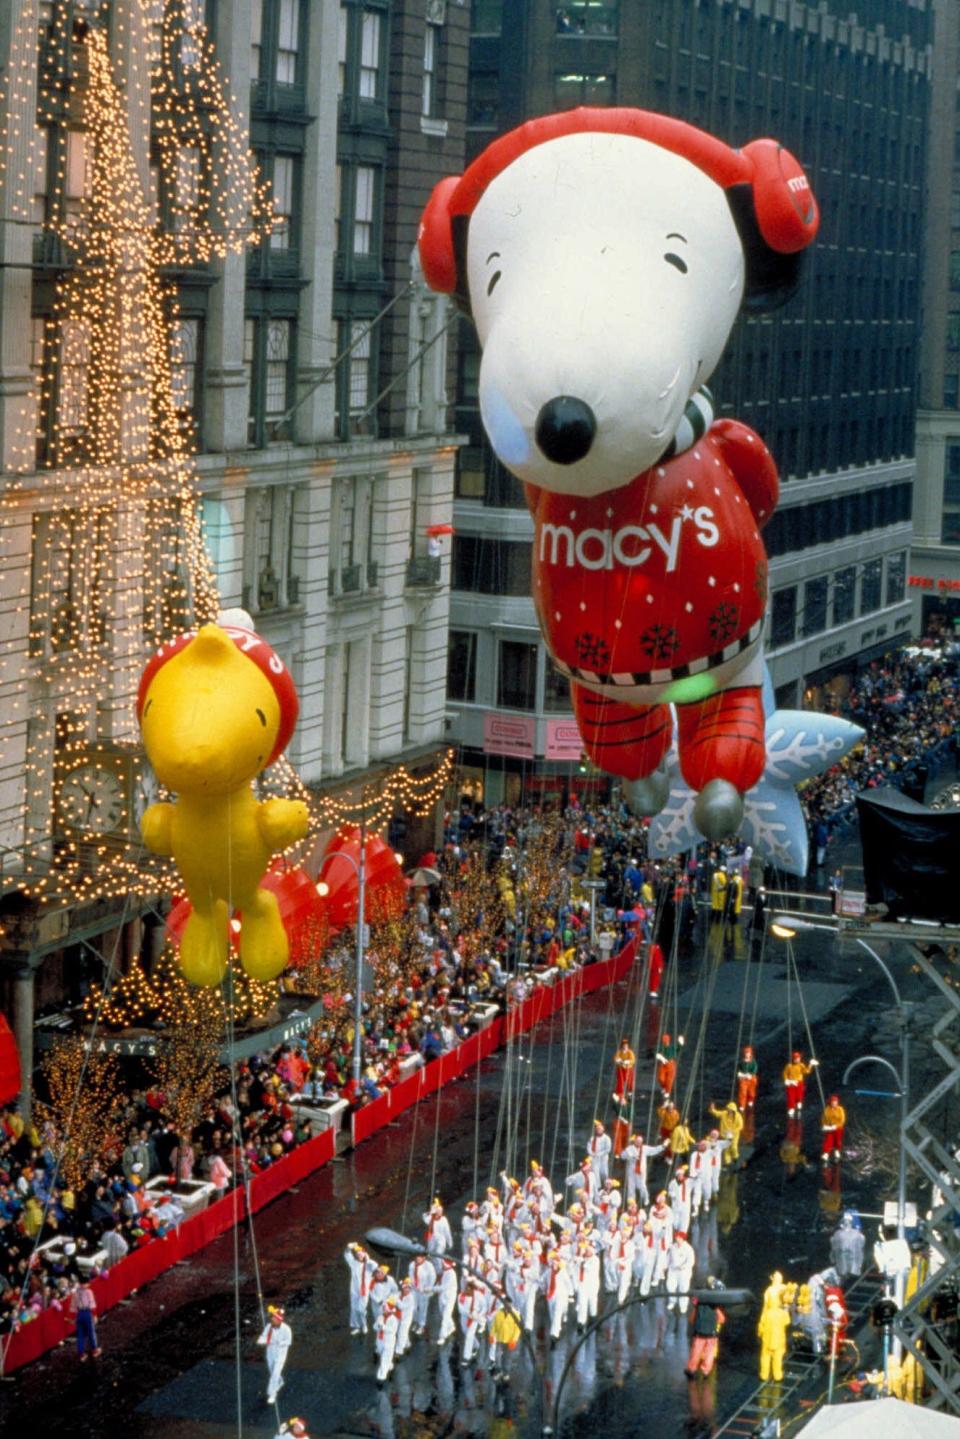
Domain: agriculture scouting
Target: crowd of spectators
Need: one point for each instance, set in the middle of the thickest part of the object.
(907, 703)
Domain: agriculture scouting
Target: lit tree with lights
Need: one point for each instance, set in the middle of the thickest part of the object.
(189, 1072)
(79, 1103)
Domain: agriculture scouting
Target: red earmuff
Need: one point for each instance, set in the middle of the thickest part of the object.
(787, 214)
(435, 239)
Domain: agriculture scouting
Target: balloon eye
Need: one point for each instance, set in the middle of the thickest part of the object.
(677, 263)
(146, 708)
(263, 718)
(493, 280)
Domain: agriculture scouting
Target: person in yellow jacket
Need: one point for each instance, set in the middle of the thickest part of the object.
(718, 894)
(773, 1329)
(731, 1124)
(795, 1079)
(832, 1123)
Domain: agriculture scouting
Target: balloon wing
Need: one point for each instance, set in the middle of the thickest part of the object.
(800, 745)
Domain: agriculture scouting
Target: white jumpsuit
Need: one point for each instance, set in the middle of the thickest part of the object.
(361, 1278)
(448, 1287)
(680, 1262)
(277, 1339)
(388, 1323)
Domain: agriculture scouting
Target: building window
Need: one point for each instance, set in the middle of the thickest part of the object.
(517, 675)
(587, 17)
(953, 332)
(573, 88)
(815, 606)
(342, 34)
(491, 566)
(277, 369)
(352, 568)
(844, 595)
(288, 41)
(871, 586)
(268, 350)
(360, 374)
(72, 382)
(783, 619)
(431, 54)
(184, 368)
(486, 17)
(256, 39)
(67, 580)
(556, 690)
(272, 520)
(951, 474)
(951, 392)
(364, 209)
(370, 47)
(896, 577)
(955, 269)
(462, 666)
(284, 179)
(355, 377)
(483, 98)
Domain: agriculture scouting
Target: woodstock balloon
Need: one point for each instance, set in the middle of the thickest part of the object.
(604, 256)
(216, 706)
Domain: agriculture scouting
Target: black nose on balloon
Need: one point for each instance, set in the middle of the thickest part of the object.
(565, 429)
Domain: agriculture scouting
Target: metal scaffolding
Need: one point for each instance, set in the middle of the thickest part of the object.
(919, 1322)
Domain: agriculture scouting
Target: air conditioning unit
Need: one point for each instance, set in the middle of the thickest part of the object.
(350, 579)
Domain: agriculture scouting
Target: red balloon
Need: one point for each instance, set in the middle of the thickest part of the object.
(385, 884)
(9, 1063)
(302, 910)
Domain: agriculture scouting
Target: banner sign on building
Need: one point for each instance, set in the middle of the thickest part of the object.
(563, 740)
(508, 735)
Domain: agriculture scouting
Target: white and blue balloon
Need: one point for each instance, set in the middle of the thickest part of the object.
(801, 744)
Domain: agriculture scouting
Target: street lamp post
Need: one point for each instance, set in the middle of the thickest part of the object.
(359, 867)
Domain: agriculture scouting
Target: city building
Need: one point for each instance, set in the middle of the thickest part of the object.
(295, 383)
(934, 579)
(829, 381)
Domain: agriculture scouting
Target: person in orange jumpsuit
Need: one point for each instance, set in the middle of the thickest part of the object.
(667, 1064)
(832, 1124)
(625, 1063)
(657, 963)
(794, 1077)
(746, 1079)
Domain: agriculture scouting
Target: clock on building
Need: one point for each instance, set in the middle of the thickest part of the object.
(93, 793)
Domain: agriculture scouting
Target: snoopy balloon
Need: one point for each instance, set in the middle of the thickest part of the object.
(216, 707)
(604, 256)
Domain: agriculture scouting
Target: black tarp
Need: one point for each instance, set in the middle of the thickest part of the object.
(911, 856)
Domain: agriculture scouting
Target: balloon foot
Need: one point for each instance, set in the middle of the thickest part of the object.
(718, 811)
(647, 796)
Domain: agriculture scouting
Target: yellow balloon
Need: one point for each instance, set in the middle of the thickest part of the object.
(214, 712)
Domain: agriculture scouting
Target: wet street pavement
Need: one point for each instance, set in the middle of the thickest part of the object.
(170, 1368)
